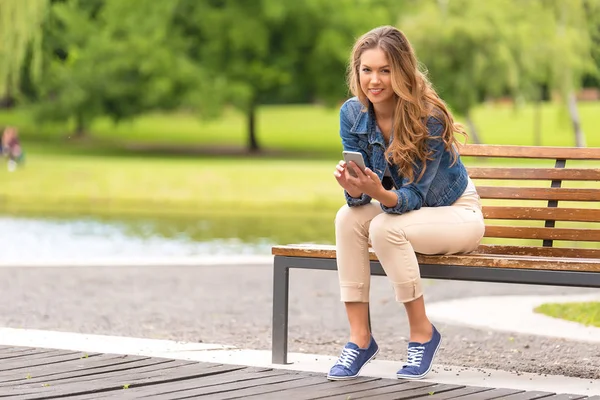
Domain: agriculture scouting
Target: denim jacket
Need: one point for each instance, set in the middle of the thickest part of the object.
(441, 184)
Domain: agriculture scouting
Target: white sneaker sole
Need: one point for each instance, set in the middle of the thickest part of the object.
(346, 378)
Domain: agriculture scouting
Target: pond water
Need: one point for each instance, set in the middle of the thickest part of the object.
(87, 238)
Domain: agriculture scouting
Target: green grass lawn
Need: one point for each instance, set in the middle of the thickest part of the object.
(128, 185)
(587, 314)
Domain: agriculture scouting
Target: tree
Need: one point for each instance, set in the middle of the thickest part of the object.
(115, 58)
(20, 36)
(592, 11)
(475, 50)
(268, 50)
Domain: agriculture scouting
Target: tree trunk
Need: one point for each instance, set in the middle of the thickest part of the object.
(253, 146)
(579, 135)
(472, 130)
(537, 123)
(80, 127)
(7, 101)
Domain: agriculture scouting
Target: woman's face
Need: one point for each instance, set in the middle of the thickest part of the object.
(375, 75)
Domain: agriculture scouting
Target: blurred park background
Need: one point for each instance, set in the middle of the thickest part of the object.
(215, 122)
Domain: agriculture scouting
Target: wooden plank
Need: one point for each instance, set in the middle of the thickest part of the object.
(348, 388)
(142, 366)
(529, 193)
(84, 374)
(543, 152)
(17, 364)
(39, 358)
(195, 387)
(83, 366)
(459, 393)
(32, 386)
(466, 260)
(384, 390)
(562, 174)
(491, 394)
(542, 213)
(25, 353)
(528, 396)
(173, 373)
(14, 350)
(116, 384)
(499, 261)
(527, 232)
(388, 393)
(331, 389)
(227, 389)
(152, 370)
(565, 396)
(538, 251)
(173, 389)
(182, 388)
(261, 392)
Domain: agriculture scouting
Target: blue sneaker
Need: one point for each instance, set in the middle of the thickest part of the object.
(420, 357)
(352, 360)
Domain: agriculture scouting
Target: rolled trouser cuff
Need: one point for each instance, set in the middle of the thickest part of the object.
(408, 291)
(354, 292)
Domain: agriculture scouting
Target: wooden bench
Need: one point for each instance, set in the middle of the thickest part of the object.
(521, 206)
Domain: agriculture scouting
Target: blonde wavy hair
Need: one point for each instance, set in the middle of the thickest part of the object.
(416, 100)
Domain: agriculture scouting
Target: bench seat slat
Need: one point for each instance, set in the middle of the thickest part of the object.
(528, 193)
(546, 152)
(566, 174)
(542, 213)
(467, 260)
(527, 232)
(537, 251)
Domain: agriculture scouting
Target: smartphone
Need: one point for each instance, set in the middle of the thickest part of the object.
(357, 158)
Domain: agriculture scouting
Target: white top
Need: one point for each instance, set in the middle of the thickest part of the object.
(471, 189)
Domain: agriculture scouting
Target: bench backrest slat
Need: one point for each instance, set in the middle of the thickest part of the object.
(523, 193)
(526, 205)
(526, 232)
(556, 153)
(542, 213)
(535, 174)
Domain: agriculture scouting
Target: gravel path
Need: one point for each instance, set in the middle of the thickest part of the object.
(232, 305)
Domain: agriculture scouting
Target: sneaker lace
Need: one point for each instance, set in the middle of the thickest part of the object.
(415, 355)
(347, 357)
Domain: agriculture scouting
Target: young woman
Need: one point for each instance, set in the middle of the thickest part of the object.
(413, 196)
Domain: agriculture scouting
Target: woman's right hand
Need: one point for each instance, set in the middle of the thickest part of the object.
(341, 175)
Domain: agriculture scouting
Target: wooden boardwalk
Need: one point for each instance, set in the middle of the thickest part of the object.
(32, 373)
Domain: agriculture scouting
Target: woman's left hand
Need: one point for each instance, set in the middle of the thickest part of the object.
(368, 182)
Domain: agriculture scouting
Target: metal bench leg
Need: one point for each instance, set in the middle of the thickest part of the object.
(281, 274)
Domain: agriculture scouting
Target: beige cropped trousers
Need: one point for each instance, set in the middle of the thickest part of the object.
(395, 238)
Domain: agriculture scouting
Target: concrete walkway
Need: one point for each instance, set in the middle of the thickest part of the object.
(515, 314)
